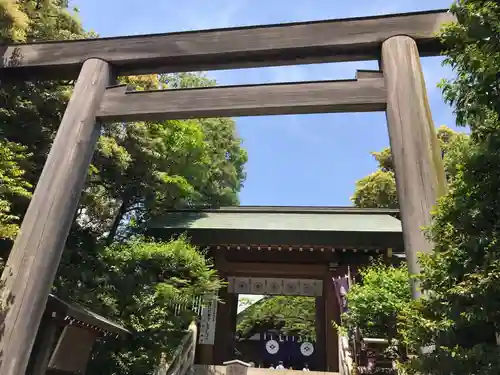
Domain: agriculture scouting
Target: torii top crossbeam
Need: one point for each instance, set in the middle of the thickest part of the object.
(350, 39)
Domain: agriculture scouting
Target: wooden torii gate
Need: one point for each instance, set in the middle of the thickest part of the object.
(398, 89)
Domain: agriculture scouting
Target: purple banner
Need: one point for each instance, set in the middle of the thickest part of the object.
(341, 286)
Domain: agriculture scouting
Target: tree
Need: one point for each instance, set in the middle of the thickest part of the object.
(12, 186)
(146, 168)
(141, 284)
(31, 20)
(227, 158)
(290, 315)
(458, 317)
(378, 190)
(375, 303)
(138, 168)
(31, 111)
(142, 168)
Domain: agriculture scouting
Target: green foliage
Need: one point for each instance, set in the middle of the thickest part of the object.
(12, 186)
(290, 315)
(375, 303)
(139, 169)
(138, 287)
(143, 168)
(146, 166)
(31, 20)
(379, 188)
(31, 111)
(473, 53)
(459, 314)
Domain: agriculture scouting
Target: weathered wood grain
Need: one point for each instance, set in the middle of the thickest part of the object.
(363, 74)
(416, 155)
(365, 95)
(242, 47)
(36, 254)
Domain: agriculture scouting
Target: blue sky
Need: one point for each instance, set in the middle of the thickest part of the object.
(296, 159)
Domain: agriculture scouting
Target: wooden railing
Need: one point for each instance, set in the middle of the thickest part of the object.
(183, 359)
(345, 356)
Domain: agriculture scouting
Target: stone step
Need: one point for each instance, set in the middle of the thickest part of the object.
(221, 370)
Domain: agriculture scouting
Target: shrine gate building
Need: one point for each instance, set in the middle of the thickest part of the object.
(283, 251)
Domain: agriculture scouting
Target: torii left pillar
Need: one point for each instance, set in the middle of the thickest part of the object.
(34, 259)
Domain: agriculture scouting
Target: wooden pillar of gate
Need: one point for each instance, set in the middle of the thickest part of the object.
(415, 148)
(233, 317)
(332, 314)
(34, 259)
(225, 327)
(320, 335)
(205, 354)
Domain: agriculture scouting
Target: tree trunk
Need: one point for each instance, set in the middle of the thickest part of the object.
(116, 223)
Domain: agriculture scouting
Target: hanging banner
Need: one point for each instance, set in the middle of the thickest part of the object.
(341, 286)
(208, 320)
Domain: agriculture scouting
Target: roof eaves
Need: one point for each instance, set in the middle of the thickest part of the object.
(82, 314)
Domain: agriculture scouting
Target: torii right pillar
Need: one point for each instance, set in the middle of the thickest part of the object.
(416, 153)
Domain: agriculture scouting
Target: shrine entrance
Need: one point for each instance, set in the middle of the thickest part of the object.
(265, 344)
(282, 250)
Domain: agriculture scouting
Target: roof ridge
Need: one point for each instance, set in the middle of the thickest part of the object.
(292, 209)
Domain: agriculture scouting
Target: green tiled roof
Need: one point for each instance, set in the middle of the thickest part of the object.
(283, 219)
